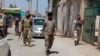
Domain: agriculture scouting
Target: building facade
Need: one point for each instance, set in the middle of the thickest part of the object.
(66, 15)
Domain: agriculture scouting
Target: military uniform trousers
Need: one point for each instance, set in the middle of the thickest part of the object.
(78, 34)
(16, 29)
(27, 35)
(49, 41)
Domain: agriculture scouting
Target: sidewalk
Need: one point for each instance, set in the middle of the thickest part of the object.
(83, 49)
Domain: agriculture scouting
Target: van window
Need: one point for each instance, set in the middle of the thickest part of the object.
(38, 21)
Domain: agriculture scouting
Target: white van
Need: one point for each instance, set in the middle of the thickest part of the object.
(37, 26)
(4, 47)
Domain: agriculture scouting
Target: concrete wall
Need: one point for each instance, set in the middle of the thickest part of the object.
(50, 4)
(67, 14)
(82, 8)
(65, 18)
(62, 16)
(73, 16)
(59, 18)
(77, 8)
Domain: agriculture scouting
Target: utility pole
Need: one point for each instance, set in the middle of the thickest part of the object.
(14, 4)
(1, 3)
(50, 5)
(30, 6)
(36, 8)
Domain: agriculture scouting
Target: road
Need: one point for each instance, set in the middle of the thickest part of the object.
(63, 45)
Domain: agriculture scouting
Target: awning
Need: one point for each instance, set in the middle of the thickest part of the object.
(12, 11)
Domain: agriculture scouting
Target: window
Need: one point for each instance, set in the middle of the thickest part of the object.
(38, 21)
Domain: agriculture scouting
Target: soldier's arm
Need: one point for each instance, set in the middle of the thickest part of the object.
(44, 25)
(82, 22)
(31, 23)
(22, 22)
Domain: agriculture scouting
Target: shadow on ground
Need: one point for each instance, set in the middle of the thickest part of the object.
(53, 52)
(10, 39)
(27, 45)
(38, 37)
(81, 44)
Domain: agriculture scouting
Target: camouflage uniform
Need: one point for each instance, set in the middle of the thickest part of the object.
(48, 30)
(16, 26)
(78, 29)
(27, 34)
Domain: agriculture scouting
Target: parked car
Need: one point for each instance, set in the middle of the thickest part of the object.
(37, 27)
(4, 47)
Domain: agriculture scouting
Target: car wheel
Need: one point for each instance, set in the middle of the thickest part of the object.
(9, 53)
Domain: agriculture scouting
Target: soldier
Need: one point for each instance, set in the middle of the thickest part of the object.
(78, 27)
(49, 30)
(26, 28)
(6, 23)
(16, 25)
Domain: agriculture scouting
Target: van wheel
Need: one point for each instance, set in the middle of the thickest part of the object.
(9, 53)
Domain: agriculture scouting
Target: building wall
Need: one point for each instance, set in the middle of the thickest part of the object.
(59, 18)
(67, 14)
(77, 8)
(65, 18)
(50, 4)
(62, 16)
(73, 16)
(82, 8)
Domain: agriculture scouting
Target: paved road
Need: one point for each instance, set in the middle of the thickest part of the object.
(64, 46)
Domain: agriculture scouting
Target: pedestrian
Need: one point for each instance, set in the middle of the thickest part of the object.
(16, 25)
(26, 29)
(78, 27)
(6, 23)
(2, 26)
(49, 30)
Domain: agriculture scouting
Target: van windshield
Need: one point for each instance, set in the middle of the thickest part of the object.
(38, 21)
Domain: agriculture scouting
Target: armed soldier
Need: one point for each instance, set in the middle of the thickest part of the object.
(26, 29)
(49, 31)
(78, 26)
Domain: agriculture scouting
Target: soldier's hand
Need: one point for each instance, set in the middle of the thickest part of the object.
(42, 34)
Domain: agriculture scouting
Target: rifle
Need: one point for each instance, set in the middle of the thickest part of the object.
(20, 32)
(19, 35)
